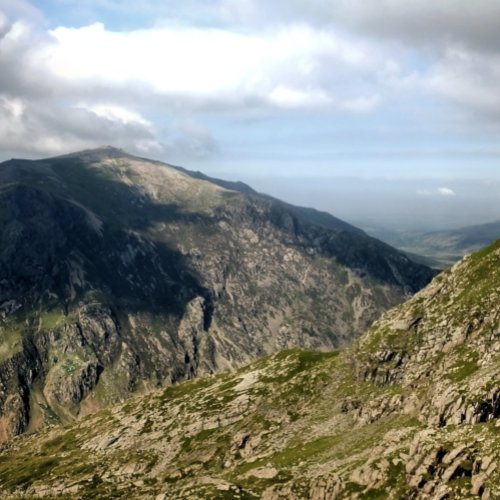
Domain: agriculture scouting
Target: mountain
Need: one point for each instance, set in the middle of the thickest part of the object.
(440, 248)
(305, 214)
(411, 410)
(120, 274)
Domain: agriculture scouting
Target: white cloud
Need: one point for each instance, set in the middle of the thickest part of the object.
(293, 66)
(32, 127)
(424, 24)
(468, 79)
(116, 113)
(285, 97)
(119, 82)
(259, 57)
(456, 44)
(444, 191)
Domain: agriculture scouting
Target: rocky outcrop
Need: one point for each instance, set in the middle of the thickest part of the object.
(17, 375)
(431, 468)
(69, 384)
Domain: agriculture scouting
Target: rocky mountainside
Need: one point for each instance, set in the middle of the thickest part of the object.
(412, 410)
(120, 274)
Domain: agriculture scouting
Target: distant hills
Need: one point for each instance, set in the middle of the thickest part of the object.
(440, 248)
(119, 274)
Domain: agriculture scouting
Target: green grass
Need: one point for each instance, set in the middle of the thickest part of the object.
(464, 369)
(24, 471)
(295, 361)
(187, 388)
(310, 450)
(51, 319)
(11, 336)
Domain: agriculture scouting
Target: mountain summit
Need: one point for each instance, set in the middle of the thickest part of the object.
(119, 274)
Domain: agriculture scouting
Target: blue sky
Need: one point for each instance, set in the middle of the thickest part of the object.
(294, 97)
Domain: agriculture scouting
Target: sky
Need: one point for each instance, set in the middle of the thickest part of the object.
(379, 111)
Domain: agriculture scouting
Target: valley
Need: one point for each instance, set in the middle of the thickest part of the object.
(440, 249)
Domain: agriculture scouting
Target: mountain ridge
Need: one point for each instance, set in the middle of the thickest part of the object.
(120, 274)
(308, 214)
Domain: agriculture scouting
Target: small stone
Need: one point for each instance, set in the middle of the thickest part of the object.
(264, 473)
(478, 484)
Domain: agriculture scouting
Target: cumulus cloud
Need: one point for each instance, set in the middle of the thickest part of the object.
(444, 191)
(422, 22)
(42, 112)
(118, 114)
(456, 43)
(116, 83)
(418, 22)
(467, 78)
(34, 128)
(83, 81)
(295, 66)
